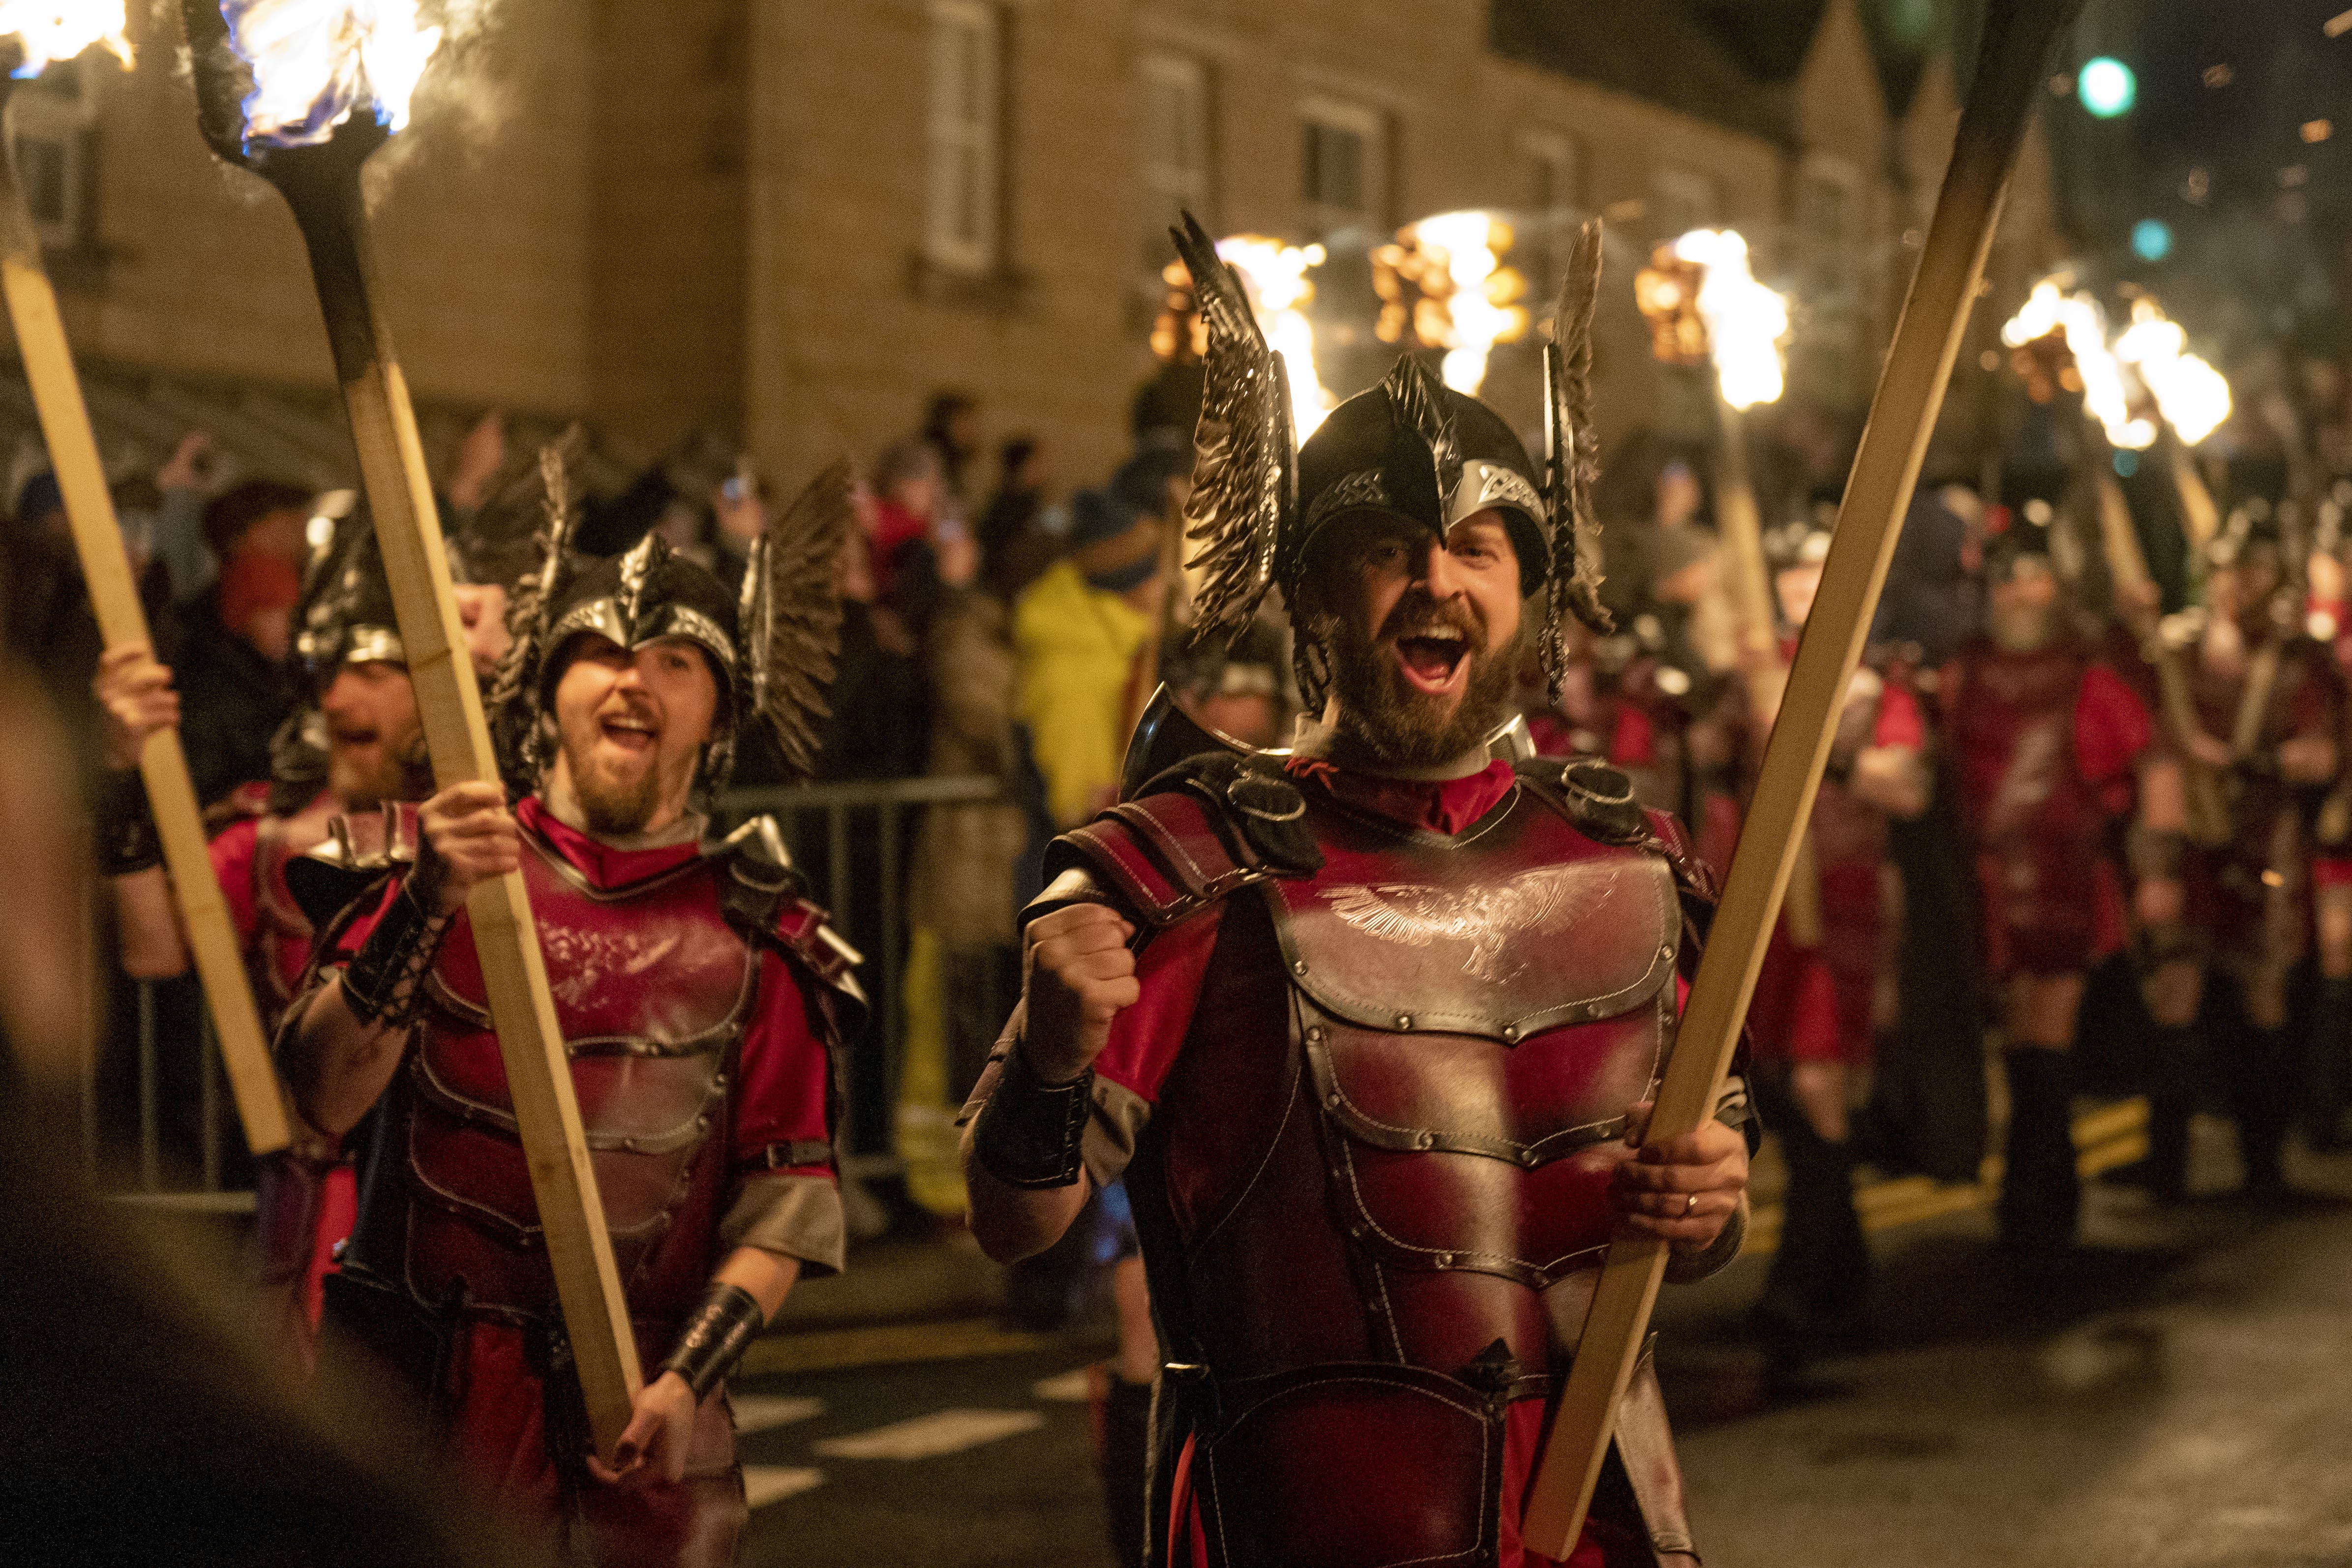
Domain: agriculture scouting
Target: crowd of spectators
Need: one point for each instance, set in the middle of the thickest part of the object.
(998, 627)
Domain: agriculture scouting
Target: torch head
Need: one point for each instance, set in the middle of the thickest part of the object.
(295, 91)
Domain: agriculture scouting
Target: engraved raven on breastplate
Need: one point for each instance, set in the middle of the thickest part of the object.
(1484, 918)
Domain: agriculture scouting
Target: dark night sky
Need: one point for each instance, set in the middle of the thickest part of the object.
(2261, 216)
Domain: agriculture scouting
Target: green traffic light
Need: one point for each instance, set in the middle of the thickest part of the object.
(2106, 87)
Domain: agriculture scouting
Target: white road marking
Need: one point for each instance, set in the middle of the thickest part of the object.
(763, 1412)
(764, 1484)
(1072, 1387)
(931, 1436)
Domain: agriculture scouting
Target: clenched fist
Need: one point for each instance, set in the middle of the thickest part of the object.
(1077, 975)
(135, 695)
(468, 836)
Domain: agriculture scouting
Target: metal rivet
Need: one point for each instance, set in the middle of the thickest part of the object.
(1445, 1260)
(1526, 1157)
(1333, 1100)
(1298, 966)
(1425, 1140)
(1404, 1020)
(1356, 1232)
(1510, 1032)
(1665, 950)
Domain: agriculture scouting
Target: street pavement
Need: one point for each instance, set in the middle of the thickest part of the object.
(2180, 1398)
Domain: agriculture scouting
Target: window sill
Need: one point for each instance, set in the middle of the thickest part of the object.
(999, 290)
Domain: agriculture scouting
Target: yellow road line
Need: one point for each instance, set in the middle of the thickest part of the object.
(829, 1350)
(2111, 1136)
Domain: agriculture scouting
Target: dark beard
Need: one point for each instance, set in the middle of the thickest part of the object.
(612, 809)
(1410, 727)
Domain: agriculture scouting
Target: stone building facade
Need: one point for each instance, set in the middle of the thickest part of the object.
(790, 221)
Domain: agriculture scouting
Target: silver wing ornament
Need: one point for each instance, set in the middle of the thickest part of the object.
(1573, 453)
(790, 618)
(1245, 449)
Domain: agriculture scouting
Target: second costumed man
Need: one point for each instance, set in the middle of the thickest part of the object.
(1371, 1032)
(698, 992)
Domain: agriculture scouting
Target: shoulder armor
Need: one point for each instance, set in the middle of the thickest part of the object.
(1597, 798)
(1200, 830)
(1600, 801)
(761, 892)
(361, 847)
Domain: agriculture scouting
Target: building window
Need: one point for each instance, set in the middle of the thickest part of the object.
(1555, 201)
(1177, 176)
(1555, 173)
(964, 217)
(1682, 200)
(1344, 168)
(52, 126)
(1832, 247)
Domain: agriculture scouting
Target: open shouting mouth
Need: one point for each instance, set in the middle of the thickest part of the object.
(630, 733)
(1434, 659)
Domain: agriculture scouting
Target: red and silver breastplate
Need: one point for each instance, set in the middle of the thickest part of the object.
(282, 932)
(651, 987)
(1468, 1020)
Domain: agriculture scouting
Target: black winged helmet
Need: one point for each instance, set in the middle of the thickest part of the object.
(772, 645)
(1412, 446)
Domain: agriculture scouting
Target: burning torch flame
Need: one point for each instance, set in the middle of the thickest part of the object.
(314, 61)
(1746, 321)
(2193, 397)
(1276, 276)
(2077, 317)
(60, 30)
(1465, 248)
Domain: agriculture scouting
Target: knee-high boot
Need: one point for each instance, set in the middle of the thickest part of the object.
(2328, 1058)
(2259, 1072)
(2040, 1196)
(2171, 1100)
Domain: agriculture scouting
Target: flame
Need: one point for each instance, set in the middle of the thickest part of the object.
(1461, 270)
(1746, 321)
(60, 30)
(314, 61)
(1274, 275)
(2189, 393)
(2193, 397)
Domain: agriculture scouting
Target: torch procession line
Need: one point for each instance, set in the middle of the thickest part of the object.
(1918, 366)
(320, 183)
(114, 596)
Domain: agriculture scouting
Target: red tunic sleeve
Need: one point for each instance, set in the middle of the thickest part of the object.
(2112, 727)
(1145, 1038)
(1899, 719)
(787, 1195)
(779, 1117)
(233, 852)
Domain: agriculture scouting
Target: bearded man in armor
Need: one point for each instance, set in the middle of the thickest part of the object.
(2048, 744)
(2268, 705)
(358, 744)
(1813, 1017)
(698, 994)
(1371, 1029)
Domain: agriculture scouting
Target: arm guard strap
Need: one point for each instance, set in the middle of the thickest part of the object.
(128, 841)
(385, 977)
(1028, 1133)
(714, 1339)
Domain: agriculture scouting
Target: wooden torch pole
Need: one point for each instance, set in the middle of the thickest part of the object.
(1740, 522)
(2017, 39)
(321, 186)
(114, 594)
(324, 194)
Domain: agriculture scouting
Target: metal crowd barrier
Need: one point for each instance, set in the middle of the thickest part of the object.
(810, 815)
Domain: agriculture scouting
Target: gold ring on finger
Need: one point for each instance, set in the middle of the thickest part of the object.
(1690, 1203)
